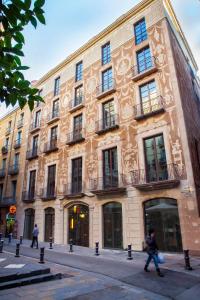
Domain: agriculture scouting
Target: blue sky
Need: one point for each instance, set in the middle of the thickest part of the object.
(72, 23)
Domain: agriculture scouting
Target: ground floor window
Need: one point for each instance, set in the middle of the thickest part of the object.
(162, 215)
(49, 223)
(112, 222)
(29, 223)
(79, 225)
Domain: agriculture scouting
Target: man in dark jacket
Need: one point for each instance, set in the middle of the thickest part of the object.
(35, 236)
(152, 250)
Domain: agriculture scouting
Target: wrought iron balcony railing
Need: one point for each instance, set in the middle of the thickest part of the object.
(51, 146)
(20, 123)
(169, 175)
(17, 143)
(8, 200)
(28, 196)
(149, 108)
(5, 149)
(144, 68)
(105, 88)
(108, 123)
(2, 173)
(8, 130)
(13, 170)
(74, 189)
(48, 193)
(115, 183)
(76, 103)
(76, 136)
(54, 116)
(35, 126)
(31, 154)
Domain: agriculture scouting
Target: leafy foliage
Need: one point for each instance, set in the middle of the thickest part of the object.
(14, 16)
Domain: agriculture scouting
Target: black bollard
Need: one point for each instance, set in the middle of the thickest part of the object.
(50, 243)
(20, 239)
(10, 238)
(97, 249)
(129, 252)
(71, 246)
(187, 260)
(1, 246)
(17, 250)
(1, 235)
(41, 255)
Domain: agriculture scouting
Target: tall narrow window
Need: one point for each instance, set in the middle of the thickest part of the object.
(54, 131)
(79, 71)
(78, 95)
(108, 114)
(57, 86)
(110, 168)
(6, 143)
(55, 109)
(107, 80)
(156, 163)
(9, 124)
(19, 137)
(35, 145)
(31, 188)
(22, 117)
(39, 94)
(4, 164)
(1, 191)
(77, 131)
(76, 175)
(105, 53)
(37, 118)
(140, 31)
(14, 189)
(16, 160)
(144, 60)
(51, 180)
(148, 96)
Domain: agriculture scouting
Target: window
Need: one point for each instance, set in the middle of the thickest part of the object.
(155, 158)
(55, 110)
(140, 31)
(78, 95)
(16, 160)
(19, 137)
(144, 61)
(79, 71)
(35, 145)
(77, 132)
(107, 80)
(1, 191)
(31, 188)
(53, 136)
(105, 54)
(9, 124)
(22, 117)
(4, 164)
(37, 118)
(39, 94)
(108, 114)
(51, 180)
(7, 142)
(76, 175)
(14, 188)
(110, 168)
(57, 86)
(148, 97)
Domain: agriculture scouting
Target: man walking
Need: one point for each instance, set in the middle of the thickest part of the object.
(152, 250)
(35, 236)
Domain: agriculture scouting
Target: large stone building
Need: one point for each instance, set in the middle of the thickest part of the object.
(115, 149)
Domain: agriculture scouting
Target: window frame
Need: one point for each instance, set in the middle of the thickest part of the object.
(142, 35)
(105, 56)
(57, 86)
(79, 71)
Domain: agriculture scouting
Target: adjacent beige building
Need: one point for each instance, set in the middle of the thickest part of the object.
(115, 151)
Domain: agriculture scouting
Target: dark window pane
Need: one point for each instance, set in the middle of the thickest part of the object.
(76, 175)
(79, 71)
(148, 96)
(78, 95)
(106, 54)
(108, 114)
(140, 31)
(144, 60)
(110, 168)
(57, 86)
(107, 80)
(51, 180)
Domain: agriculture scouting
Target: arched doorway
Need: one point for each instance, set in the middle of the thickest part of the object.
(162, 215)
(49, 223)
(29, 223)
(112, 222)
(79, 225)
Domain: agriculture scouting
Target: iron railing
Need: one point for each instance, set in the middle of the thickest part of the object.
(13, 170)
(17, 143)
(51, 145)
(165, 172)
(48, 192)
(109, 122)
(105, 86)
(108, 182)
(35, 125)
(8, 200)
(5, 149)
(148, 107)
(28, 196)
(75, 136)
(20, 123)
(33, 153)
(77, 101)
(144, 65)
(8, 130)
(54, 115)
(74, 188)
(2, 173)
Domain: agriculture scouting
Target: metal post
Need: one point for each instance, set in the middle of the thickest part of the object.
(20, 239)
(187, 260)
(1, 246)
(41, 255)
(10, 238)
(50, 243)
(17, 250)
(129, 252)
(1, 235)
(97, 249)
(71, 246)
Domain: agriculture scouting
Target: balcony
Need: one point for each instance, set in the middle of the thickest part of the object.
(168, 177)
(114, 184)
(76, 103)
(76, 136)
(28, 197)
(35, 126)
(144, 68)
(13, 170)
(48, 193)
(149, 108)
(2, 173)
(106, 88)
(8, 130)
(4, 149)
(7, 201)
(20, 123)
(17, 143)
(32, 154)
(109, 123)
(51, 146)
(53, 117)
(74, 190)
